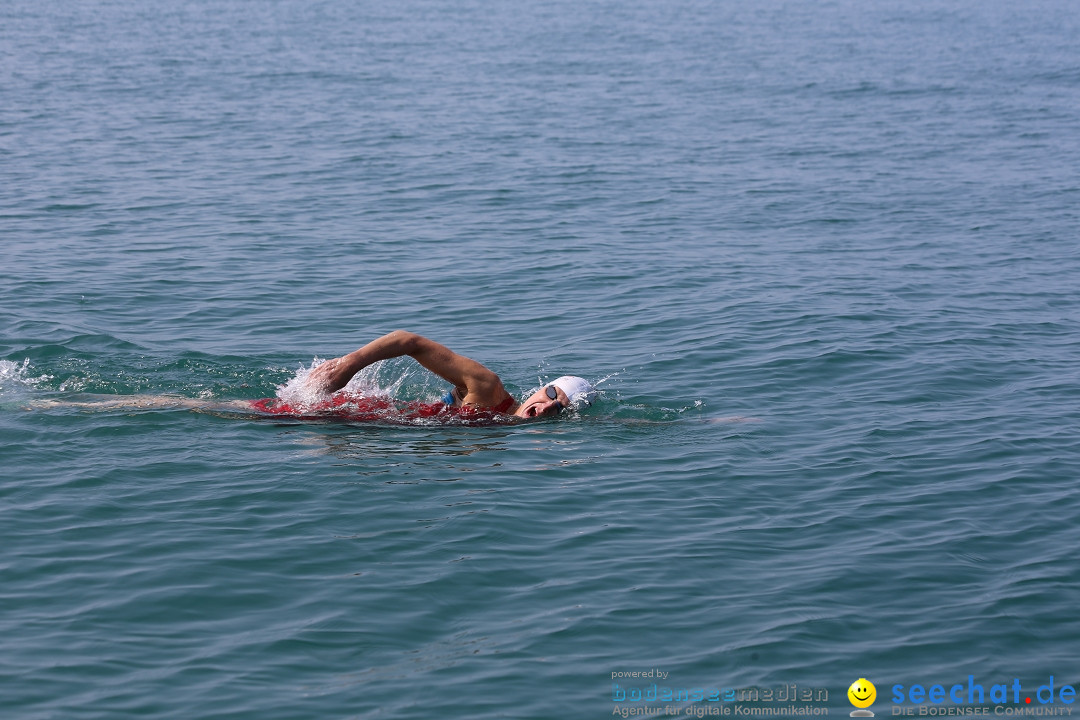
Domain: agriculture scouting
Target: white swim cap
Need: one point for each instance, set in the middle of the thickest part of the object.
(579, 390)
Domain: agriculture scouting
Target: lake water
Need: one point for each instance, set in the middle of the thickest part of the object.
(821, 258)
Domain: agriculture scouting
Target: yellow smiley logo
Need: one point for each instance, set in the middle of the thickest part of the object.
(862, 693)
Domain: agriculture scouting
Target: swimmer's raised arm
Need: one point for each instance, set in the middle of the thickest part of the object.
(476, 385)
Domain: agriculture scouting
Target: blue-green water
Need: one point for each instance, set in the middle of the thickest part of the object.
(854, 224)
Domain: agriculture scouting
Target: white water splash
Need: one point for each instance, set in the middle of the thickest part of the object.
(297, 391)
(604, 379)
(14, 376)
(300, 394)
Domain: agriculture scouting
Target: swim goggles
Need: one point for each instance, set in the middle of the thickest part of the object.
(553, 394)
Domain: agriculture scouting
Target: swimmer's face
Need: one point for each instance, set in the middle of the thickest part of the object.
(541, 404)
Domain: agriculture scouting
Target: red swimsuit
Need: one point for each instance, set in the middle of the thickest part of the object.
(358, 408)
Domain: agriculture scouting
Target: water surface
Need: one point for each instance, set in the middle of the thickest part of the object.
(854, 224)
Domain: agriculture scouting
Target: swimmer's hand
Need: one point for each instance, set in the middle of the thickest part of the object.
(331, 376)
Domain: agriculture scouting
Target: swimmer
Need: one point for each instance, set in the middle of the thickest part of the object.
(476, 394)
(474, 386)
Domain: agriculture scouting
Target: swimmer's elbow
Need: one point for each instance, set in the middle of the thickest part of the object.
(407, 342)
